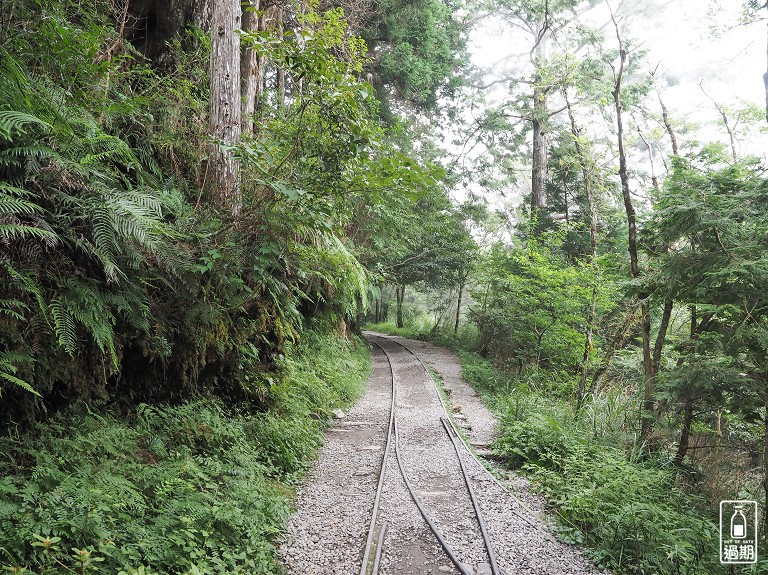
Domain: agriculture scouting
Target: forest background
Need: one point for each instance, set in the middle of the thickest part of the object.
(200, 202)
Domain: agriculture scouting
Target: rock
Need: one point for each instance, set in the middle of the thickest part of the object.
(315, 539)
(484, 569)
(444, 569)
(338, 414)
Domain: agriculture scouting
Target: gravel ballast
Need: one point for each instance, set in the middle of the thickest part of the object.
(327, 533)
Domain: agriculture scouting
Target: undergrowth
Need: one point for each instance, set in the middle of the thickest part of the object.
(189, 489)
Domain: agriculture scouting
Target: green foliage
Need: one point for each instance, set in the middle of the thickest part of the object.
(195, 488)
(632, 513)
(419, 46)
(116, 273)
(533, 307)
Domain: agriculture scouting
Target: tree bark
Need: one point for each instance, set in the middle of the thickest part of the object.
(658, 346)
(458, 308)
(685, 434)
(280, 71)
(538, 126)
(225, 125)
(249, 66)
(668, 126)
(400, 296)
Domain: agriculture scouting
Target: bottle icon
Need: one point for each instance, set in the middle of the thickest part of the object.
(738, 523)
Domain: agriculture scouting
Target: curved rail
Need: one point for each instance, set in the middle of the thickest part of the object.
(469, 450)
(424, 513)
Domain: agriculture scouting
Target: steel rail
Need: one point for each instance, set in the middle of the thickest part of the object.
(417, 501)
(469, 449)
(486, 538)
(380, 485)
(443, 543)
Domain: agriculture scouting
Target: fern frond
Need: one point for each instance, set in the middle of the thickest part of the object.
(13, 121)
(15, 191)
(20, 382)
(18, 231)
(16, 206)
(28, 284)
(13, 308)
(64, 326)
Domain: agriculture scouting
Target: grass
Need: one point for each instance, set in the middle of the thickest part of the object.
(192, 489)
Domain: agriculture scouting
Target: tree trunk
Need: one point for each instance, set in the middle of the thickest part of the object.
(668, 126)
(620, 341)
(647, 415)
(249, 66)
(458, 308)
(658, 346)
(280, 71)
(400, 295)
(685, 434)
(261, 79)
(592, 315)
(538, 127)
(225, 105)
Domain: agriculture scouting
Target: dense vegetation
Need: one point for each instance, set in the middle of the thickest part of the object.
(616, 319)
(188, 213)
(172, 341)
(194, 488)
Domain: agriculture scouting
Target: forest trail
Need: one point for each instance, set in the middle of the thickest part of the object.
(327, 534)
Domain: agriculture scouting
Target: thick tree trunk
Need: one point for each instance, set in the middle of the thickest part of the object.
(249, 66)
(539, 129)
(225, 105)
(400, 295)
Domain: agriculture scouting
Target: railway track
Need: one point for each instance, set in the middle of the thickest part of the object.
(427, 450)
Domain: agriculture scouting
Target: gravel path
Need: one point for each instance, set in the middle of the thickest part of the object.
(327, 533)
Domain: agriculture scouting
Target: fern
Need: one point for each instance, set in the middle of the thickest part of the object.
(8, 370)
(64, 326)
(12, 122)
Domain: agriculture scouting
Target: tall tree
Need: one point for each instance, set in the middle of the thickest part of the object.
(224, 124)
(645, 316)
